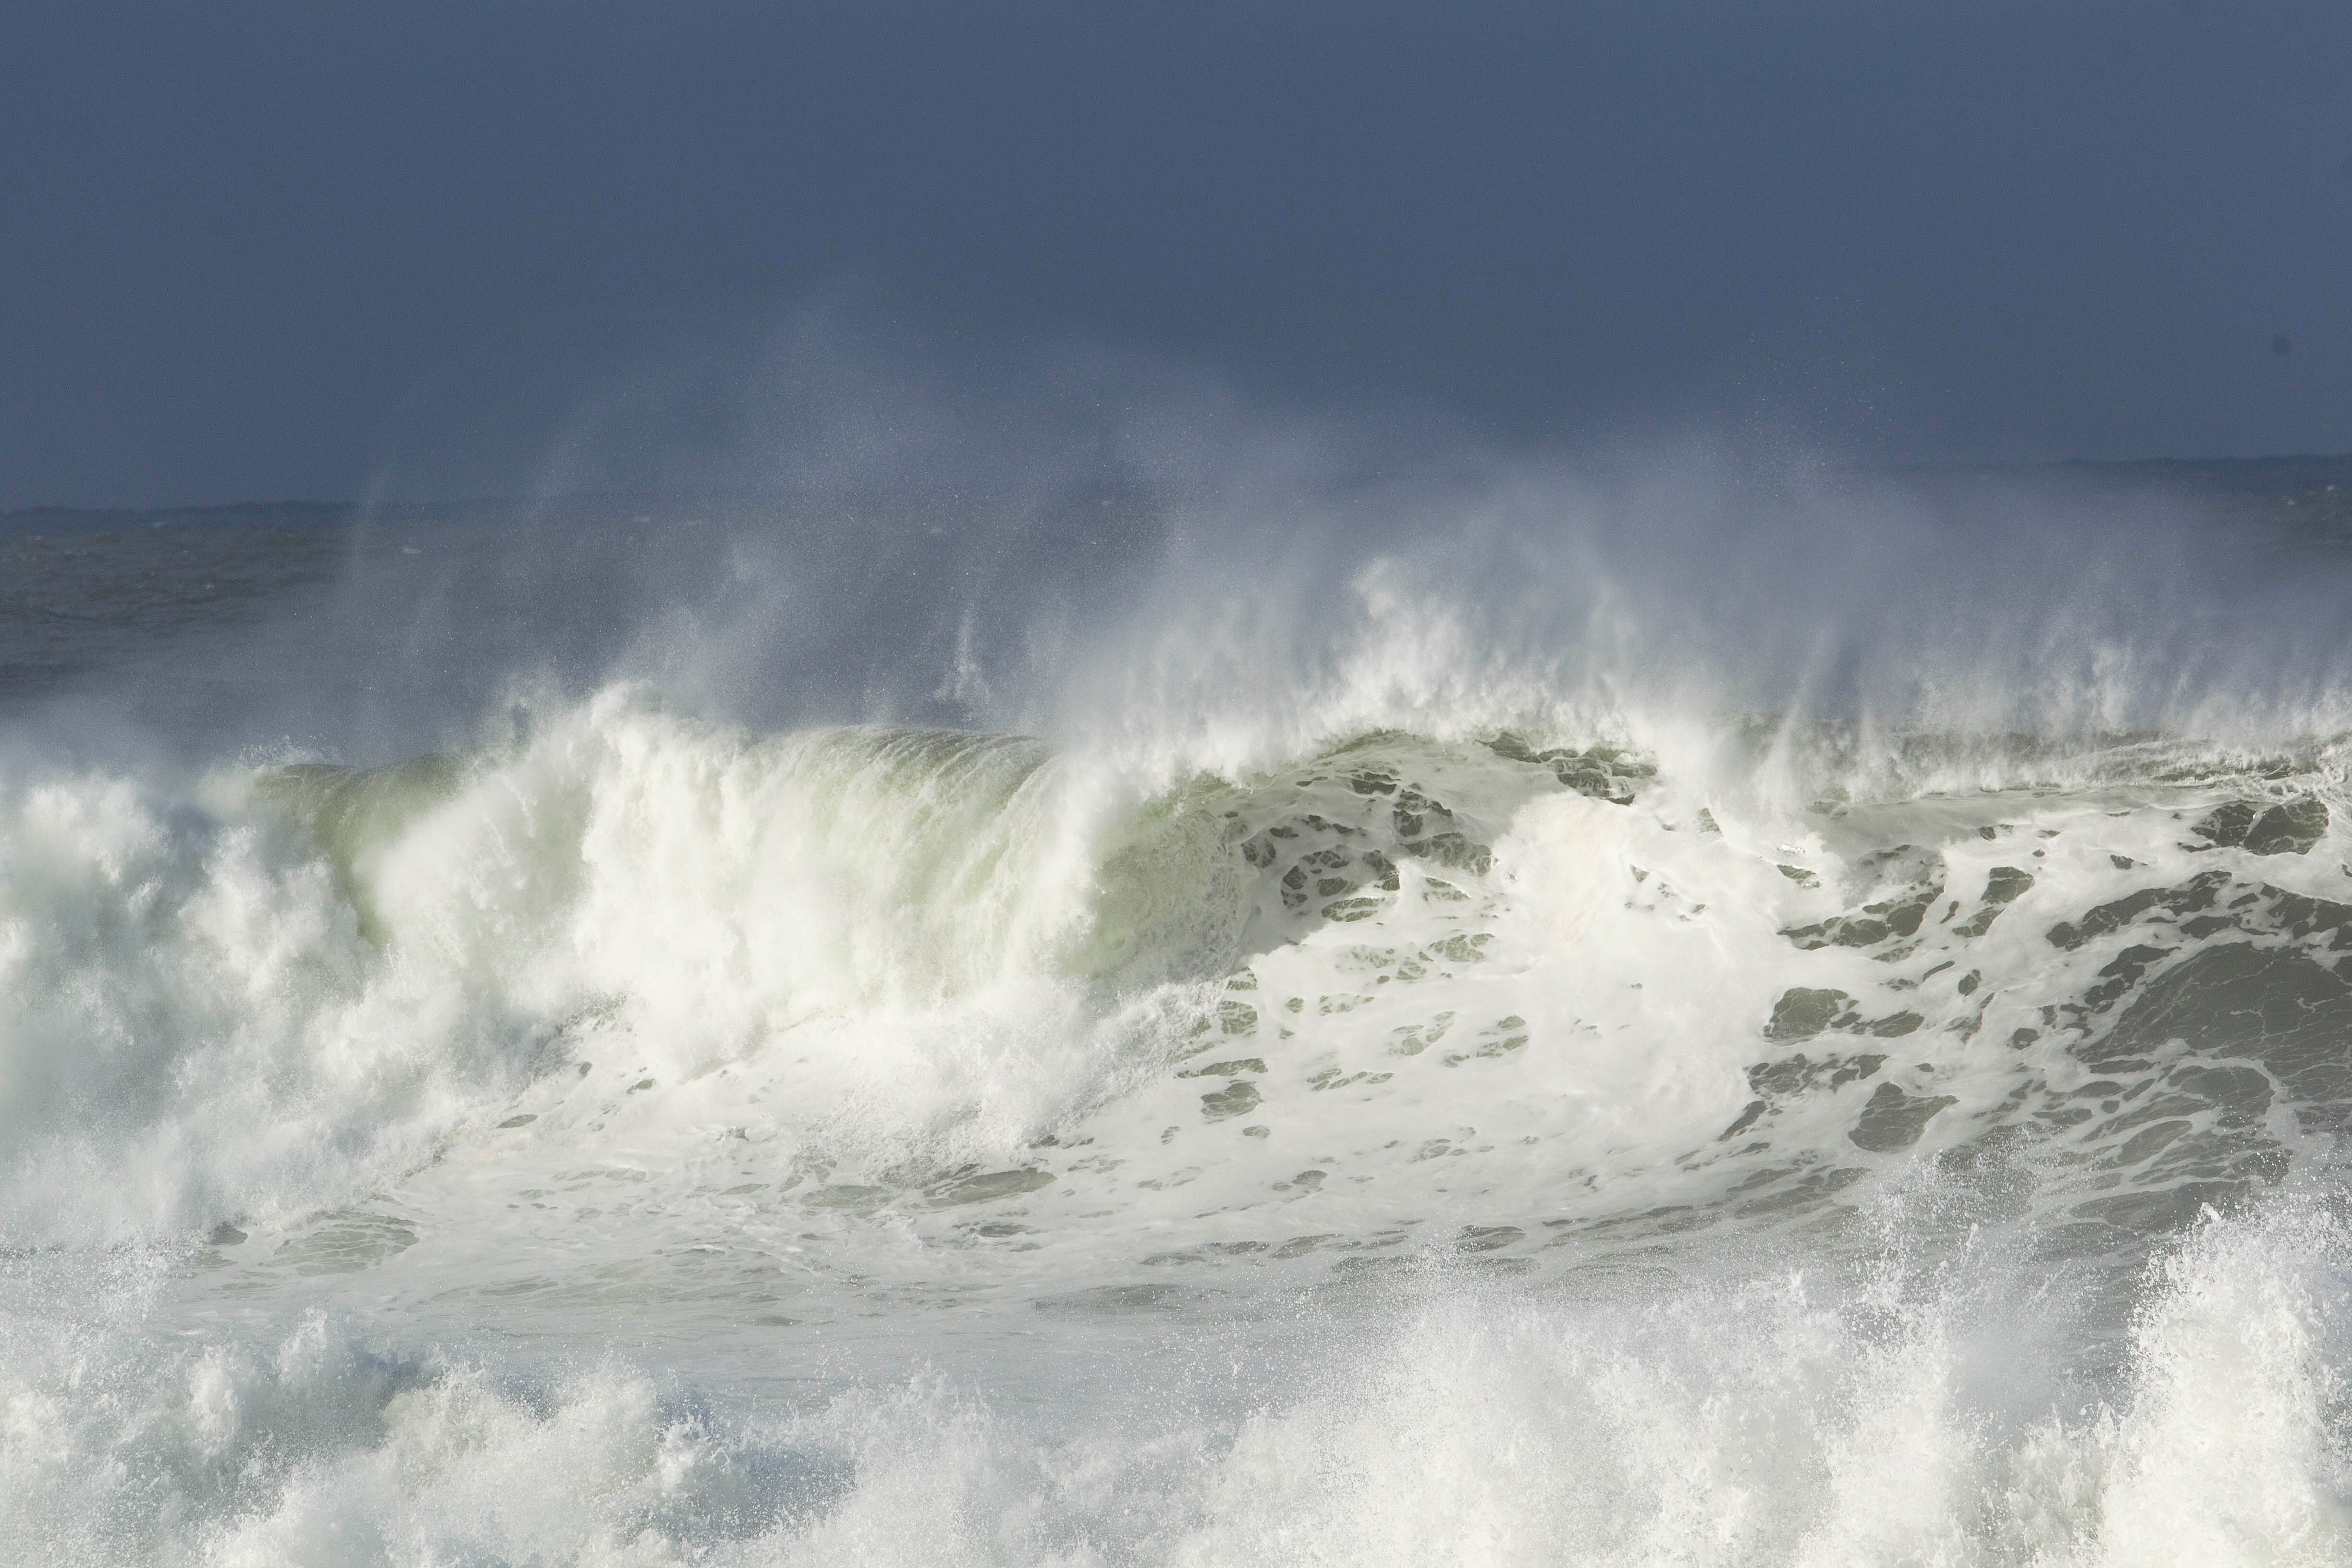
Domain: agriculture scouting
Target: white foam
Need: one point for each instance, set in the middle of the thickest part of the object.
(1770, 1419)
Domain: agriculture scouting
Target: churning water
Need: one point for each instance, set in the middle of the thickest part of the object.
(1269, 1024)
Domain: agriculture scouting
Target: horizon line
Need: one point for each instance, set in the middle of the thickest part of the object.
(199, 509)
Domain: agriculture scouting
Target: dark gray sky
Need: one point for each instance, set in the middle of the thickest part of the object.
(262, 250)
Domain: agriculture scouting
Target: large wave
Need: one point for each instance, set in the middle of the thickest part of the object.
(1539, 1027)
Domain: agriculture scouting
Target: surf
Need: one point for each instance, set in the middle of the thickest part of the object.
(1404, 1047)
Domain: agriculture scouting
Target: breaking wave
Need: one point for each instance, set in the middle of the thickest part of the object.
(1466, 1056)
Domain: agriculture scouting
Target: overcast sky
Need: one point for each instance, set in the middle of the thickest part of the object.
(275, 250)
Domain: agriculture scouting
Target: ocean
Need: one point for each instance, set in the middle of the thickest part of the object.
(1259, 1011)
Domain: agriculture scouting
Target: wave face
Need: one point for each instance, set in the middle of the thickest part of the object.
(1459, 1092)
